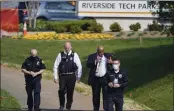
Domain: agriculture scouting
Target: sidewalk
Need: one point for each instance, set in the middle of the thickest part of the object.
(12, 80)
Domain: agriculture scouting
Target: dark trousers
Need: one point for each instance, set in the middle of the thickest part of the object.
(97, 85)
(66, 85)
(33, 84)
(118, 101)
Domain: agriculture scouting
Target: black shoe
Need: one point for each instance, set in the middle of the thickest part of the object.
(68, 107)
(61, 108)
(37, 109)
(30, 109)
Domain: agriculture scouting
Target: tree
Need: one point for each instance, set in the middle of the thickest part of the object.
(166, 10)
(32, 9)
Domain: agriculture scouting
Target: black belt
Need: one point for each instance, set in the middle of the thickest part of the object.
(68, 73)
(100, 77)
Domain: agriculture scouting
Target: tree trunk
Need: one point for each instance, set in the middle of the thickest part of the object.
(34, 23)
(30, 22)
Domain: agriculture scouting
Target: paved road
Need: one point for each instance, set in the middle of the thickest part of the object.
(12, 80)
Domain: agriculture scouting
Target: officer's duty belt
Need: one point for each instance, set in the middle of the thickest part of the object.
(69, 73)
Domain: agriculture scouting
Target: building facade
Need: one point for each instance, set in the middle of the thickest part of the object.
(124, 12)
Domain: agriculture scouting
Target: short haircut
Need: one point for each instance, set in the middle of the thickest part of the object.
(117, 60)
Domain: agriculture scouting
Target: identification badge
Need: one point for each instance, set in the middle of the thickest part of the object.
(38, 62)
(115, 81)
(120, 75)
(70, 58)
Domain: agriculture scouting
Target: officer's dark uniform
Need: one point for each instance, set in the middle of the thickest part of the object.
(67, 79)
(34, 64)
(115, 95)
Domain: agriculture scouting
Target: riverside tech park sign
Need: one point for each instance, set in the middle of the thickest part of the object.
(111, 8)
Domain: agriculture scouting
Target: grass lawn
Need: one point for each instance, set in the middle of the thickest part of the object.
(150, 67)
(8, 102)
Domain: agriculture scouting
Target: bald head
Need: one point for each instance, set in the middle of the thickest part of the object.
(67, 46)
(33, 52)
(100, 50)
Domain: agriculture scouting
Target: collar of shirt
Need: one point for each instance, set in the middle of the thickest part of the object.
(68, 53)
(33, 58)
(117, 71)
(103, 57)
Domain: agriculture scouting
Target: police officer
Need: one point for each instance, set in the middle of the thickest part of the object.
(117, 81)
(68, 66)
(33, 68)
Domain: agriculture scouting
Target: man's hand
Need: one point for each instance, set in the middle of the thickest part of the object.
(116, 85)
(55, 81)
(33, 73)
(98, 58)
(110, 61)
(78, 80)
(110, 84)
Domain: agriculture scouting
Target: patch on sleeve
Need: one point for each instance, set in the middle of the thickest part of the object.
(38, 62)
(42, 62)
(120, 75)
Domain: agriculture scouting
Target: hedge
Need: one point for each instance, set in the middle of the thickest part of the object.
(62, 26)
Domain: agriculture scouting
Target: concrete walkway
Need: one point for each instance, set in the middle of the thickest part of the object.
(12, 80)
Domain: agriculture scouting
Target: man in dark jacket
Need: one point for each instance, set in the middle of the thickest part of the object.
(33, 68)
(117, 81)
(99, 64)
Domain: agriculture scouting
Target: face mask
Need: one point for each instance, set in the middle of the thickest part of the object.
(115, 66)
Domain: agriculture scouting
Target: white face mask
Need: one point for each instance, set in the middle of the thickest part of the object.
(115, 66)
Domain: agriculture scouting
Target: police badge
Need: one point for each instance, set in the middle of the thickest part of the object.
(115, 81)
(38, 62)
(70, 58)
(120, 75)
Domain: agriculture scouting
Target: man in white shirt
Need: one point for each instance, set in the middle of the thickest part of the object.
(69, 69)
(99, 63)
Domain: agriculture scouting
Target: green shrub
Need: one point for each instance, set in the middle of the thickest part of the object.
(131, 34)
(115, 27)
(88, 23)
(41, 25)
(51, 25)
(135, 27)
(145, 32)
(21, 25)
(154, 33)
(140, 34)
(98, 28)
(155, 27)
(83, 24)
(59, 28)
(120, 34)
(75, 29)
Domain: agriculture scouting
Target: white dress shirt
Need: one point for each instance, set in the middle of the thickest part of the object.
(76, 60)
(101, 67)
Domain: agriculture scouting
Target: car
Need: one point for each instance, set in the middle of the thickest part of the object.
(57, 10)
